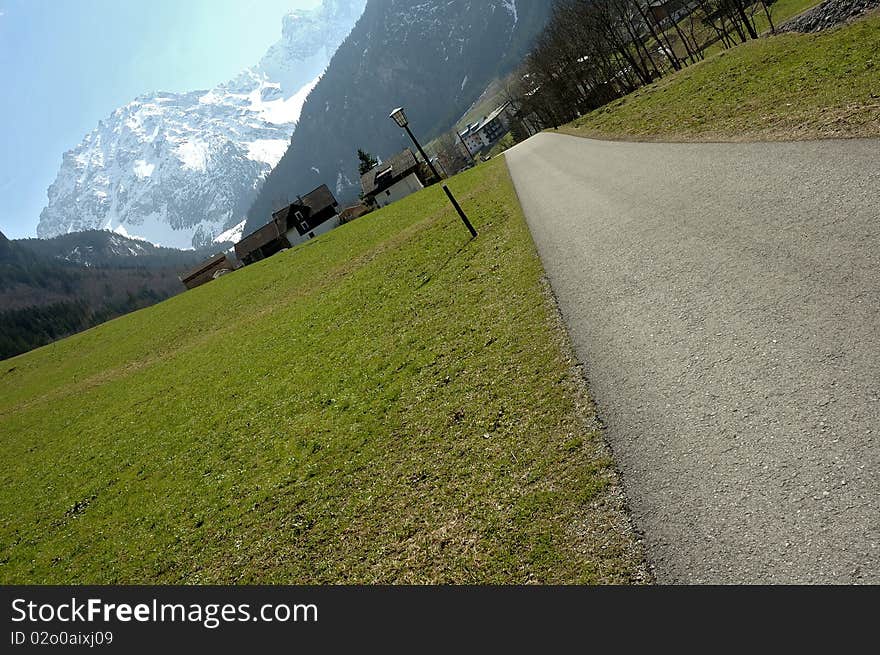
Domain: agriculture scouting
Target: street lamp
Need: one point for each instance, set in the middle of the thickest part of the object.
(399, 117)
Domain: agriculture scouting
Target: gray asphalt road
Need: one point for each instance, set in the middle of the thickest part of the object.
(725, 301)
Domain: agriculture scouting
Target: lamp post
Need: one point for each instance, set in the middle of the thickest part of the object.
(399, 117)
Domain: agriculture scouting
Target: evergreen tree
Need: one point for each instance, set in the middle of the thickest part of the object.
(368, 162)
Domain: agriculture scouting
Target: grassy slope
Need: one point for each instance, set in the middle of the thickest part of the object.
(389, 403)
(788, 86)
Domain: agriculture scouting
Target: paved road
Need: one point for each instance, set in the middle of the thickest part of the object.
(725, 301)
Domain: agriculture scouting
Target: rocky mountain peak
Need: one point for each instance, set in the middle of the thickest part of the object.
(179, 169)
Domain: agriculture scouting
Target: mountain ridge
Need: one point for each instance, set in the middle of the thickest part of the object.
(178, 169)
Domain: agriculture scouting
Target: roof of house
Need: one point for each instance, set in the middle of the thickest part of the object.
(358, 209)
(320, 199)
(353, 212)
(316, 207)
(387, 173)
(201, 268)
(264, 236)
(314, 202)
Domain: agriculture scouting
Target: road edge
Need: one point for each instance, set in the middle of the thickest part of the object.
(578, 388)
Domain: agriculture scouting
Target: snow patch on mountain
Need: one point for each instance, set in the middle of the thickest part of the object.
(143, 170)
(193, 155)
(181, 169)
(233, 234)
(510, 5)
(120, 246)
(268, 151)
(121, 231)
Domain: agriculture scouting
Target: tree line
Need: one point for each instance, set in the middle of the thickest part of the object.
(26, 328)
(31, 327)
(43, 299)
(595, 51)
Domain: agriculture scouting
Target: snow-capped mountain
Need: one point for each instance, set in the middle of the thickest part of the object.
(181, 169)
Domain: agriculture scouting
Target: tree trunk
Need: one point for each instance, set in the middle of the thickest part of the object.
(676, 64)
(769, 18)
(741, 12)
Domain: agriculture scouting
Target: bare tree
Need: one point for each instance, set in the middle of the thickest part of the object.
(449, 150)
(593, 51)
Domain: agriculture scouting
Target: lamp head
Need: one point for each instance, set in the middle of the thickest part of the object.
(399, 117)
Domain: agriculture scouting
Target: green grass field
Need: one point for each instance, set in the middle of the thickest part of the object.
(390, 403)
(790, 86)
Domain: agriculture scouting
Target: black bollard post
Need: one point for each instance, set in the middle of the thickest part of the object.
(464, 218)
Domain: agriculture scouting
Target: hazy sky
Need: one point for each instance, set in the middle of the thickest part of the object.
(66, 64)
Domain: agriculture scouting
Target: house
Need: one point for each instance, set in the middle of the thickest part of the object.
(310, 216)
(207, 271)
(354, 212)
(263, 243)
(487, 132)
(392, 180)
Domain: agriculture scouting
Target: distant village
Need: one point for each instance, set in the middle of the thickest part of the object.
(317, 212)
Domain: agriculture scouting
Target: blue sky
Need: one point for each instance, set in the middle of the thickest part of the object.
(66, 64)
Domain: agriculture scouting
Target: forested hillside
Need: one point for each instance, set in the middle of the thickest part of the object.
(52, 288)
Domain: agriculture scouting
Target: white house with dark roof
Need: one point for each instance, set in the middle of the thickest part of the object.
(392, 180)
(487, 132)
(309, 217)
